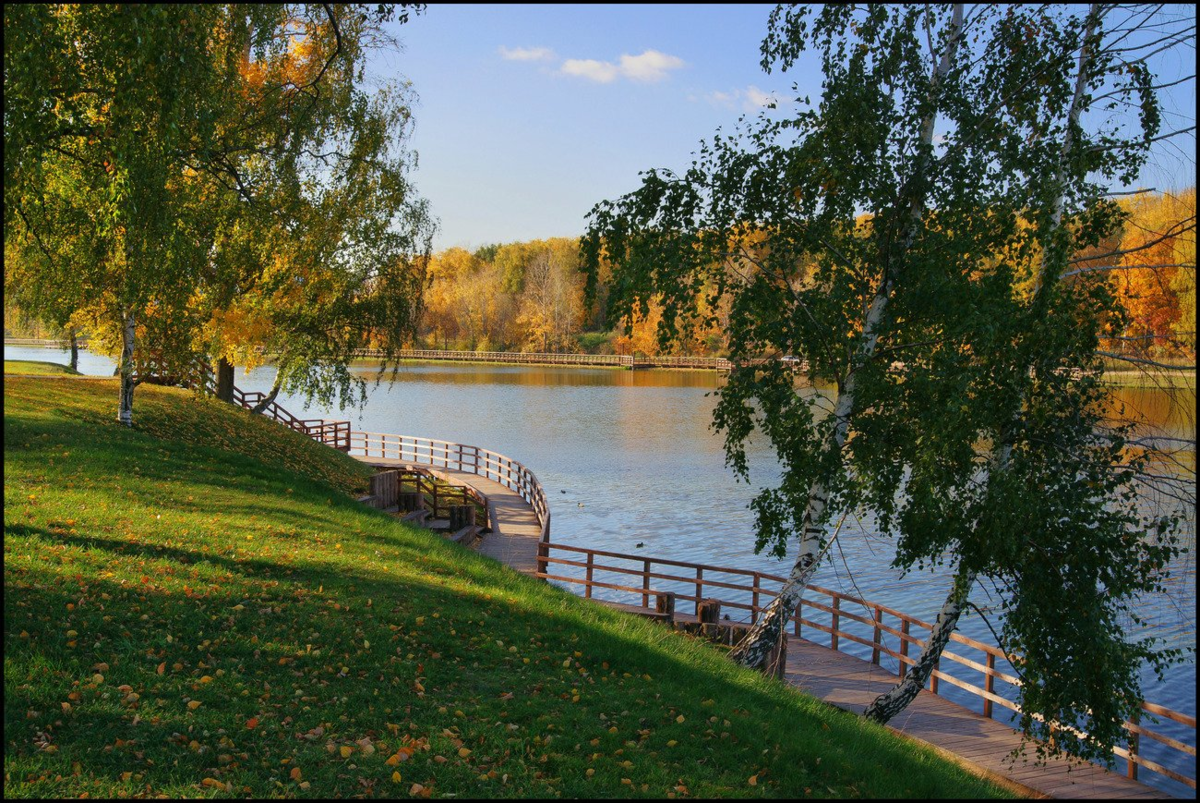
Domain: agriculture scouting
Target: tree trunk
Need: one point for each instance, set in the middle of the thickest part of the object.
(270, 397)
(892, 702)
(74, 349)
(225, 380)
(128, 335)
(756, 649)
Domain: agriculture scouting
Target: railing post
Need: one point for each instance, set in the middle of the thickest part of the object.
(836, 623)
(989, 684)
(877, 638)
(754, 601)
(591, 559)
(645, 584)
(933, 678)
(903, 648)
(799, 614)
(699, 588)
(1132, 772)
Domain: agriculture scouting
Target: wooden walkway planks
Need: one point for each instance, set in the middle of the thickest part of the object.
(515, 528)
(960, 734)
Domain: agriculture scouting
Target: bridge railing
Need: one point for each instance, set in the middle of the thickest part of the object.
(849, 624)
(458, 456)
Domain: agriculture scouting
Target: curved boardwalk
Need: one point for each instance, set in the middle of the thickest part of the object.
(515, 527)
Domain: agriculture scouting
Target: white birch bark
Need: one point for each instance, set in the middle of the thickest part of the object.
(128, 335)
(892, 702)
(760, 642)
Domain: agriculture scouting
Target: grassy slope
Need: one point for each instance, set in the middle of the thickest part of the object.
(197, 607)
(38, 368)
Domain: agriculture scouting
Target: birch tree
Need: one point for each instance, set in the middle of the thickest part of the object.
(946, 163)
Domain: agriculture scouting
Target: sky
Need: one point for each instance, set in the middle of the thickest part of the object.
(528, 115)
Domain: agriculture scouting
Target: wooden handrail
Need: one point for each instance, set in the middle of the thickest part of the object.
(647, 569)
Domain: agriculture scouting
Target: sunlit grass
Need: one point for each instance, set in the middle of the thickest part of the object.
(197, 607)
(31, 367)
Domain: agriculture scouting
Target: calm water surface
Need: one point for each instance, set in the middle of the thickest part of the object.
(627, 458)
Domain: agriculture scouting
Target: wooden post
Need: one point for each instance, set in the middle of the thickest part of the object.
(989, 684)
(461, 516)
(933, 678)
(837, 618)
(708, 611)
(411, 500)
(645, 584)
(877, 638)
(591, 559)
(903, 648)
(754, 600)
(664, 603)
(1132, 772)
(699, 588)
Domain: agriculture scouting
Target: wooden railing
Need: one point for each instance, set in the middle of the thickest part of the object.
(438, 499)
(460, 457)
(844, 619)
(330, 433)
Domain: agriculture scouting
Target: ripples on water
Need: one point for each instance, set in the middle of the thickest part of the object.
(628, 457)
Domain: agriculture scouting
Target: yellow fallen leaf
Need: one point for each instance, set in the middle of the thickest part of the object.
(395, 777)
(680, 719)
(463, 752)
(346, 750)
(295, 774)
(193, 705)
(753, 780)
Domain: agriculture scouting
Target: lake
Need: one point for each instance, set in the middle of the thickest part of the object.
(628, 458)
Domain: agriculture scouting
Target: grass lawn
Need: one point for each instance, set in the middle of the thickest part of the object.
(196, 607)
(26, 367)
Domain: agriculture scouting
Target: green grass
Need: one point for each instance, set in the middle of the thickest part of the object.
(196, 607)
(38, 368)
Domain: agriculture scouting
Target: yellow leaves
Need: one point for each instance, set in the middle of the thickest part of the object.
(672, 743)
(681, 719)
(590, 772)
(396, 777)
(161, 668)
(753, 781)
(295, 774)
(252, 723)
(346, 751)
(213, 783)
(206, 679)
(463, 752)
(97, 678)
(193, 705)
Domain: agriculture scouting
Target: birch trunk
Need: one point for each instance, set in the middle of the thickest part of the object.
(270, 397)
(74, 349)
(128, 335)
(892, 702)
(760, 642)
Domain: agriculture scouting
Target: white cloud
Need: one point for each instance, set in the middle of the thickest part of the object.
(602, 72)
(756, 98)
(648, 67)
(750, 99)
(526, 53)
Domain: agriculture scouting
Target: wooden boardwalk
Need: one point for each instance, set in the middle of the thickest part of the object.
(515, 528)
(980, 744)
(962, 735)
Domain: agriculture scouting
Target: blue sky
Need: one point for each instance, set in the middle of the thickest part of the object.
(517, 143)
(529, 115)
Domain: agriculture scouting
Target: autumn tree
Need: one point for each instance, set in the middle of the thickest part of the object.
(155, 153)
(946, 162)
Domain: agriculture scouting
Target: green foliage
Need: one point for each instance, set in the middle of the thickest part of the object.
(195, 607)
(217, 174)
(919, 276)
